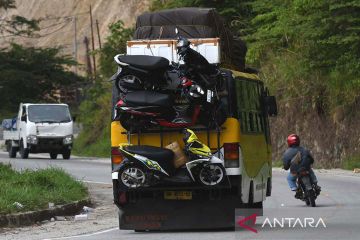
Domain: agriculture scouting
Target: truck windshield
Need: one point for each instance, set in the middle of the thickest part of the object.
(49, 113)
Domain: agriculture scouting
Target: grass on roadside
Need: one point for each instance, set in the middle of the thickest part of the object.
(277, 163)
(35, 189)
(351, 162)
(101, 147)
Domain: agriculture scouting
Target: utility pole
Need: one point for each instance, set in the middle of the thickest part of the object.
(88, 61)
(75, 43)
(98, 32)
(92, 42)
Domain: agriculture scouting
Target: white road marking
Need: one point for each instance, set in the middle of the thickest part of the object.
(84, 235)
(86, 181)
(341, 175)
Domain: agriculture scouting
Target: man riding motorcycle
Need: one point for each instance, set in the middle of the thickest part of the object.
(294, 158)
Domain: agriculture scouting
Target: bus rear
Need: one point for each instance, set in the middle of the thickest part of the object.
(243, 143)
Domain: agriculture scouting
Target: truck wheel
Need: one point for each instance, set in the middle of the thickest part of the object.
(24, 152)
(66, 154)
(53, 155)
(11, 150)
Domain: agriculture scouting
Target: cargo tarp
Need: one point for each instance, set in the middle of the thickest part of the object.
(192, 23)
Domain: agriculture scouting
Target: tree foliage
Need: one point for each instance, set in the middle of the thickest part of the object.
(321, 38)
(31, 74)
(115, 44)
(16, 25)
(95, 110)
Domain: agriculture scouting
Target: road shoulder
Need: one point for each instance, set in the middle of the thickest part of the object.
(103, 217)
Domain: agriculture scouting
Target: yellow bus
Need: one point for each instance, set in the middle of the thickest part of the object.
(243, 142)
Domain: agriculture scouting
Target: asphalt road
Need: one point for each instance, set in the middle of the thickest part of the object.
(338, 206)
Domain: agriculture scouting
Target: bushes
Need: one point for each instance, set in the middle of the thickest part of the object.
(95, 110)
(95, 115)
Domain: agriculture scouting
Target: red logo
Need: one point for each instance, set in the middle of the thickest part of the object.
(252, 217)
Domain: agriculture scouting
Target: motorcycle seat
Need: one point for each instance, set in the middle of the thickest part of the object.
(145, 62)
(149, 98)
(163, 156)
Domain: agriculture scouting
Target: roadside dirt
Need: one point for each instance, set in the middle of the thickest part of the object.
(103, 217)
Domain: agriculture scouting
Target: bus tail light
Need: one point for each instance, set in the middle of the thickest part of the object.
(231, 155)
(116, 156)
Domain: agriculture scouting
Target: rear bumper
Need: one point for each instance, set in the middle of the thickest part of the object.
(209, 207)
(202, 213)
(233, 171)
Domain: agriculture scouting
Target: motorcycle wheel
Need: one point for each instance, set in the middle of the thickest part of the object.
(211, 174)
(128, 82)
(311, 198)
(132, 176)
(307, 201)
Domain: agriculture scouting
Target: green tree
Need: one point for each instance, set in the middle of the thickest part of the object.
(16, 25)
(95, 110)
(31, 74)
(321, 38)
(115, 44)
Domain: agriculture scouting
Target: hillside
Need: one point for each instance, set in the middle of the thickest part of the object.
(58, 22)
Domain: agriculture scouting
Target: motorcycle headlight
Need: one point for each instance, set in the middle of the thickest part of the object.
(68, 139)
(32, 139)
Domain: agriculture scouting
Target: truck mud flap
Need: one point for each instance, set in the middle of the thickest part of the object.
(179, 214)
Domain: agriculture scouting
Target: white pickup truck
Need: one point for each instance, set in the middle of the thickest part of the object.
(40, 128)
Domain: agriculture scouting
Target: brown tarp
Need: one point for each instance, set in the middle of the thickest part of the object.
(192, 23)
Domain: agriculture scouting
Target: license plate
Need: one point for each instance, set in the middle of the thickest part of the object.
(178, 195)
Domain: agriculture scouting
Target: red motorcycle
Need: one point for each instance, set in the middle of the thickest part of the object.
(142, 109)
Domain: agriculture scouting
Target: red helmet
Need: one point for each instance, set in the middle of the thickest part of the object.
(293, 140)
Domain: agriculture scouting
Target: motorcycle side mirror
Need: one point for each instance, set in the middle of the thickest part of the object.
(177, 34)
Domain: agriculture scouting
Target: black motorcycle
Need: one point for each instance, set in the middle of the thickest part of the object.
(157, 101)
(307, 190)
(141, 72)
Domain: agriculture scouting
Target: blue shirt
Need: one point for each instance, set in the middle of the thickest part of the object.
(306, 158)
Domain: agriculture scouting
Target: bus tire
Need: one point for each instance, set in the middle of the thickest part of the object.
(251, 193)
(268, 187)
